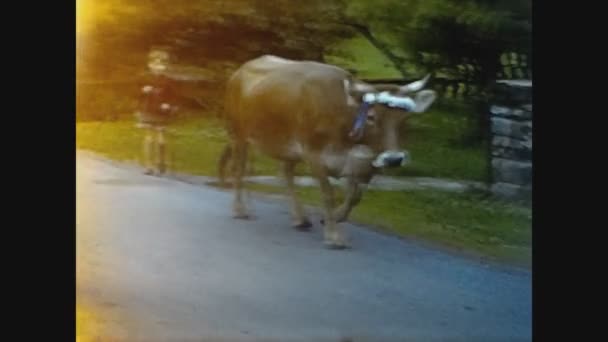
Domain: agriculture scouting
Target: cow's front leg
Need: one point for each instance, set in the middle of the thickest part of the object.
(301, 222)
(333, 235)
(352, 198)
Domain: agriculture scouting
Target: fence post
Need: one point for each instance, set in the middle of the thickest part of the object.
(511, 140)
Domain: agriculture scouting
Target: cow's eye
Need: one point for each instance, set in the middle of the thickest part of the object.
(371, 119)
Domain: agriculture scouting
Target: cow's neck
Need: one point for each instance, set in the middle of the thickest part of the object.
(347, 161)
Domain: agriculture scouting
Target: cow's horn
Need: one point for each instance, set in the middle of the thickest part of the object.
(415, 86)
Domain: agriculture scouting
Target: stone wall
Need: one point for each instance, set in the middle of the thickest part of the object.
(511, 148)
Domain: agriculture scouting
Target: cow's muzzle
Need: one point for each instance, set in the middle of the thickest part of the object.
(392, 159)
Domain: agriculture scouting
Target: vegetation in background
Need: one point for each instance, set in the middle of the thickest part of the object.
(360, 56)
(465, 39)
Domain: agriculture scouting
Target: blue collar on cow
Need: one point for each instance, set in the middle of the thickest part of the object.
(360, 120)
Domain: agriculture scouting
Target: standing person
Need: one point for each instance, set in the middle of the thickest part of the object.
(156, 110)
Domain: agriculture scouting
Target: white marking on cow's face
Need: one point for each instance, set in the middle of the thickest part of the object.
(391, 159)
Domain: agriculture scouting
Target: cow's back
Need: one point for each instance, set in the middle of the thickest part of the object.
(275, 102)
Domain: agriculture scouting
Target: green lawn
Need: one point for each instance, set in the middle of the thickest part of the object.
(195, 144)
(359, 54)
(435, 142)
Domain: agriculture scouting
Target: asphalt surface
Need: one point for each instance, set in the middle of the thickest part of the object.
(163, 260)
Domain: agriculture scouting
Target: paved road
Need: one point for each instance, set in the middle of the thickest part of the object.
(163, 260)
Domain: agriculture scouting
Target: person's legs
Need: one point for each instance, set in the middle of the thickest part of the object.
(162, 150)
(148, 147)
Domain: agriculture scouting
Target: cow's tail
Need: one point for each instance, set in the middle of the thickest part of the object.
(232, 125)
(225, 116)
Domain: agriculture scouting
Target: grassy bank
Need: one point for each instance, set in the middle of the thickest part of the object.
(469, 222)
(464, 221)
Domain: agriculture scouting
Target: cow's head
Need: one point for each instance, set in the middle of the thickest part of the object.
(380, 111)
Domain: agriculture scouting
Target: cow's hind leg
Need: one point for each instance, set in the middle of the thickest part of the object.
(301, 222)
(239, 153)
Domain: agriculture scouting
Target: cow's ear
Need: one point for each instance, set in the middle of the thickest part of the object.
(423, 100)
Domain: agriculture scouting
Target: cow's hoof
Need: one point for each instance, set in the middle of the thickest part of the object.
(336, 245)
(241, 216)
(322, 221)
(335, 241)
(304, 226)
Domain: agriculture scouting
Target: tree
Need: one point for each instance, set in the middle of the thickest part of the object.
(472, 42)
(308, 28)
(462, 39)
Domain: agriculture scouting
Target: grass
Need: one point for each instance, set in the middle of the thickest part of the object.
(467, 222)
(437, 146)
(359, 54)
(470, 222)
(195, 145)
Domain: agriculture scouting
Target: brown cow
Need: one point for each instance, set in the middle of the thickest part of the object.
(296, 111)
